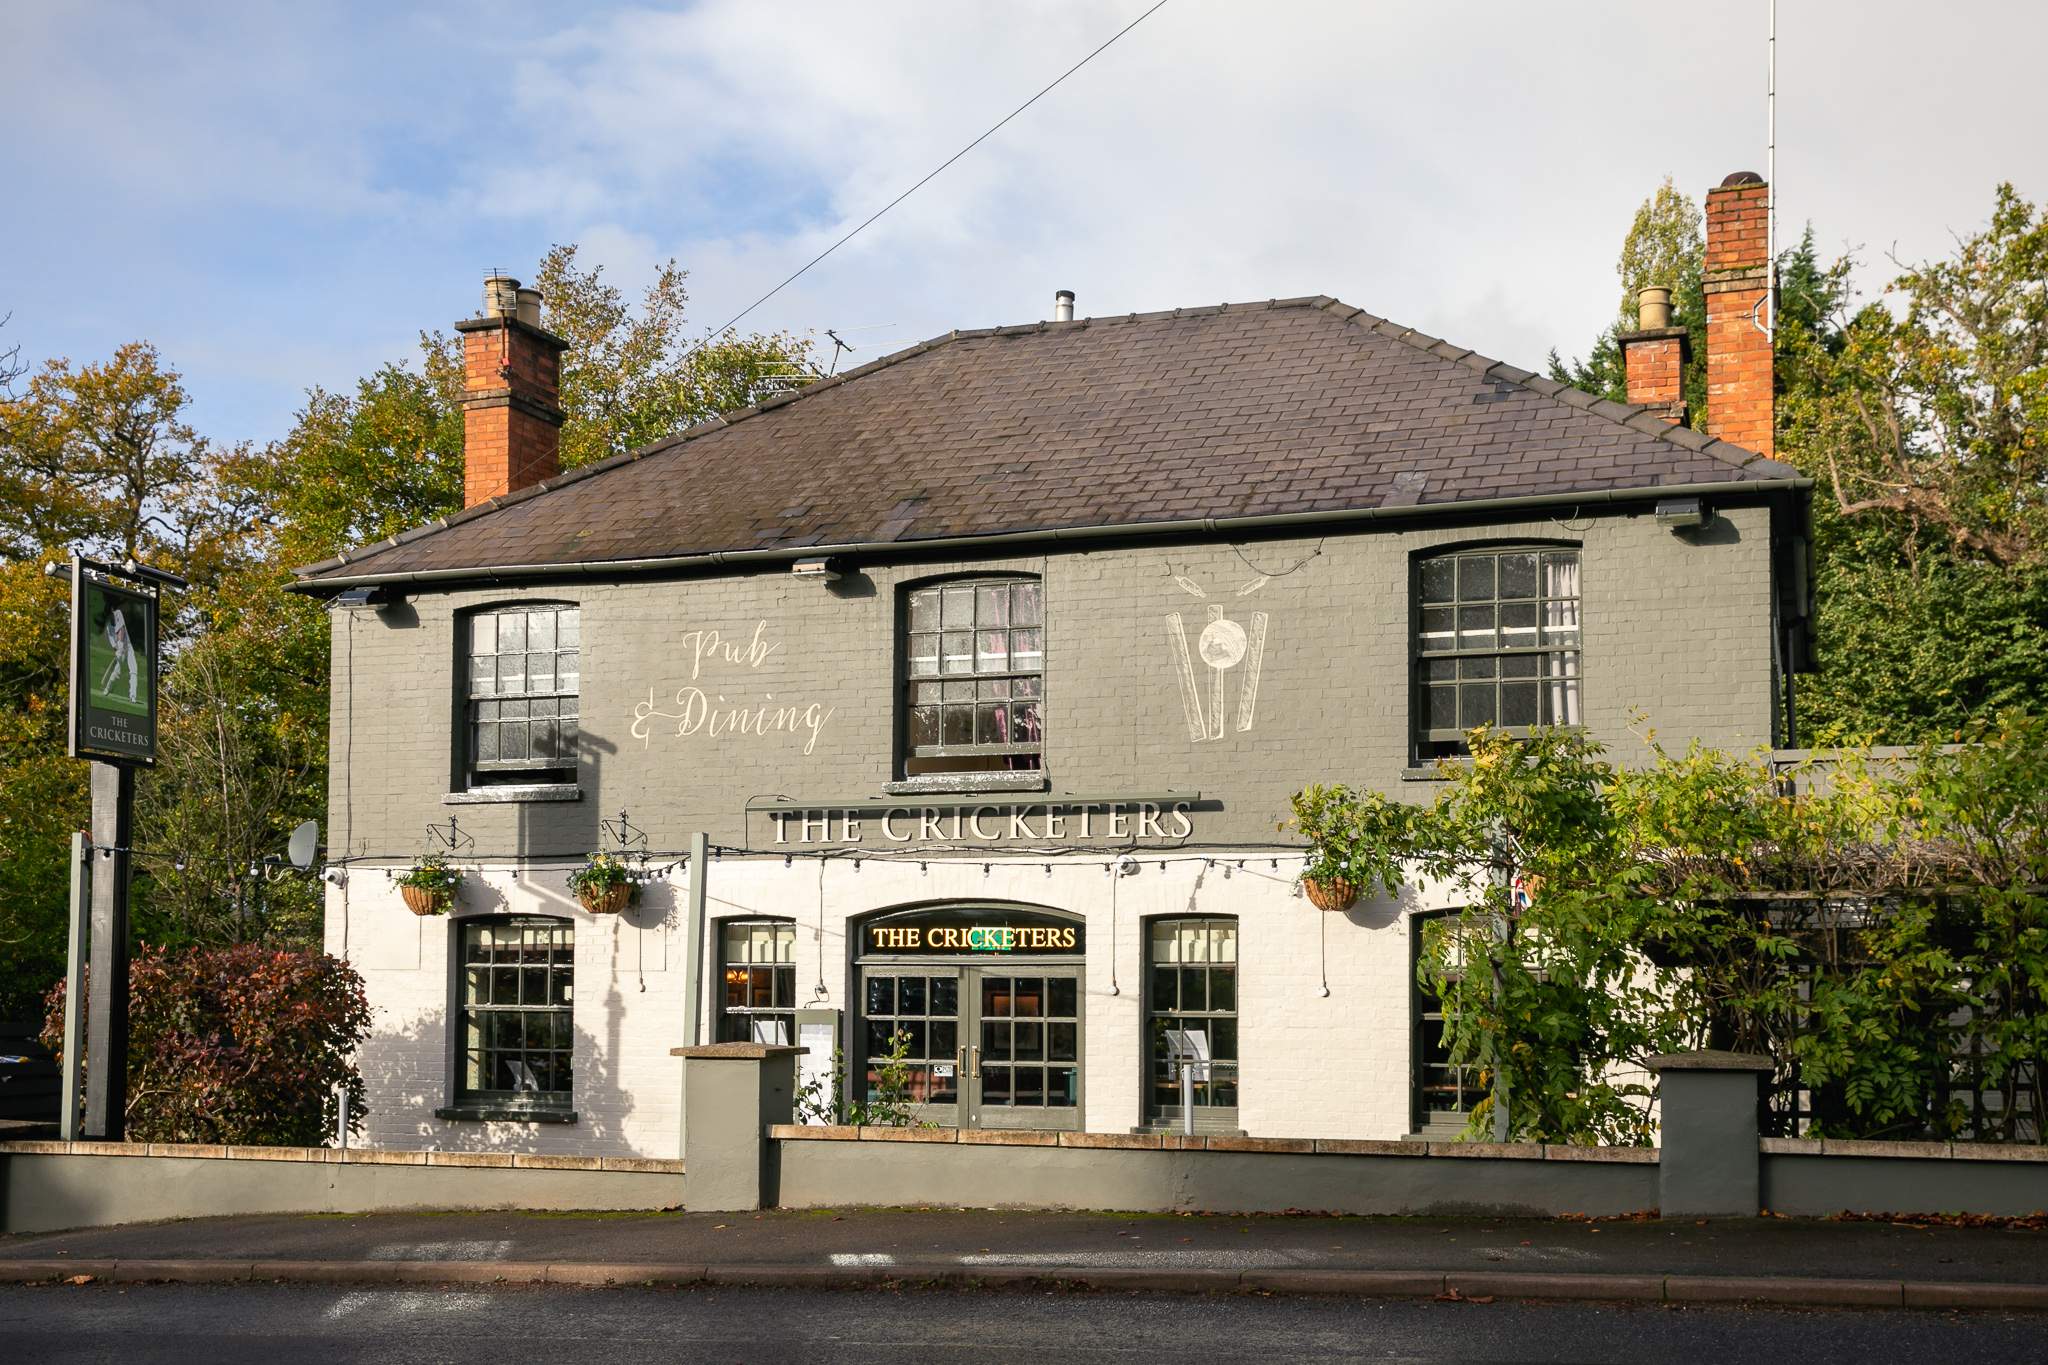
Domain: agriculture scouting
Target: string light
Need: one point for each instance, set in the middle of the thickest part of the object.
(924, 869)
(789, 860)
(1048, 869)
(856, 864)
(985, 868)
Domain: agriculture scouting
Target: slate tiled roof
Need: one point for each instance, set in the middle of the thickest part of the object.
(1240, 410)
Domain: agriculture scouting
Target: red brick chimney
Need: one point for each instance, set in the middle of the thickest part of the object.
(512, 417)
(1741, 406)
(1655, 357)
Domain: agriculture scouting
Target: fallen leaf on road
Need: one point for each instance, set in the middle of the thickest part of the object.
(79, 1279)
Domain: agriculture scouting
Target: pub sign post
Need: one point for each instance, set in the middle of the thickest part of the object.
(114, 655)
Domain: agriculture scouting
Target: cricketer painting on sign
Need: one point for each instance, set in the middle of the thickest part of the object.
(113, 678)
(117, 637)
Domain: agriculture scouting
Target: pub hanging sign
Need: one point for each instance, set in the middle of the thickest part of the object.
(953, 931)
(113, 669)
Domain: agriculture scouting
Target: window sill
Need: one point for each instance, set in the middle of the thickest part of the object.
(1429, 774)
(492, 796)
(1032, 780)
(490, 1113)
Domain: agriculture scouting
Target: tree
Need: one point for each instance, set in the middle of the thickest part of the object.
(1936, 417)
(632, 378)
(1663, 247)
(1923, 428)
(102, 457)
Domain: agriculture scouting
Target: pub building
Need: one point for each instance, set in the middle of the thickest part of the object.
(982, 675)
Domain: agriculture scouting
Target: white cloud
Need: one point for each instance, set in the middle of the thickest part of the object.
(280, 197)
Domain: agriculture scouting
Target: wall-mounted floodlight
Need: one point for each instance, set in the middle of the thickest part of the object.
(823, 570)
(1684, 514)
(358, 598)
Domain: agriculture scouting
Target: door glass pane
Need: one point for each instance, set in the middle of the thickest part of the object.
(995, 1085)
(1030, 997)
(995, 997)
(1029, 1085)
(1027, 1042)
(945, 995)
(1059, 1042)
(1060, 993)
(1061, 1088)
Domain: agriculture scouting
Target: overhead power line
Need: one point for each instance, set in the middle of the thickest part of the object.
(934, 175)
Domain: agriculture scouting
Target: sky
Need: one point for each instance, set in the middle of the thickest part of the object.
(284, 196)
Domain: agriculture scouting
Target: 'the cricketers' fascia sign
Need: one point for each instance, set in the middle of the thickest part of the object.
(113, 670)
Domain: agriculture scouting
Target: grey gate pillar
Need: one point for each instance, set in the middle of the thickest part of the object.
(731, 1093)
(1708, 1163)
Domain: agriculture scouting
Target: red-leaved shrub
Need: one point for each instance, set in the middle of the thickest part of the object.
(237, 1045)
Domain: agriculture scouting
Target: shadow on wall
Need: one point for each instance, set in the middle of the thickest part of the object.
(406, 1078)
(410, 1071)
(1381, 913)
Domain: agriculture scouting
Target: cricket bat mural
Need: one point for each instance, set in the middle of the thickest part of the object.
(1222, 646)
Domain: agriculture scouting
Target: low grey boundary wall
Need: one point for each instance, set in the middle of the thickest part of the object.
(1154, 1173)
(743, 1153)
(48, 1186)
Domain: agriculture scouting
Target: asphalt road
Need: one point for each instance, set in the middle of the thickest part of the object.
(302, 1325)
(1084, 1241)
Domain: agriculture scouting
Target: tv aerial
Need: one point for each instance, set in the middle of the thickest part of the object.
(840, 344)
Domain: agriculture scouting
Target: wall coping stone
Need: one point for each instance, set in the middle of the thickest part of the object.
(1180, 1142)
(352, 1156)
(1919, 1151)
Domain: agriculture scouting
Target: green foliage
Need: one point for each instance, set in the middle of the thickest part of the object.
(630, 378)
(1869, 926)
(1663, 247)
(822, 1099)
(1923, 424)
(238, 1045)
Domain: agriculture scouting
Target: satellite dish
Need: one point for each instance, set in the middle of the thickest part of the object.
(305, 842)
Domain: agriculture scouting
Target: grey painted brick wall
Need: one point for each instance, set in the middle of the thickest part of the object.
(1676, 629)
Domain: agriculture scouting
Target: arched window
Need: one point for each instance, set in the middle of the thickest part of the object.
(524, 675)
(515, 1035)
(973, 676)
(1497, 643)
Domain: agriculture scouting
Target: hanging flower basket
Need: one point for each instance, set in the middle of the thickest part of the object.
(421, 901)
(608, 902)
(1331, 893)
(604, 884)
(430, 885)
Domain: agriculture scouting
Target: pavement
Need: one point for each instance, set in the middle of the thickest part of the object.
(1898, 1263)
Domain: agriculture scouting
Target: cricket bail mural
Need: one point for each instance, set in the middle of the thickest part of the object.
(1222, 648)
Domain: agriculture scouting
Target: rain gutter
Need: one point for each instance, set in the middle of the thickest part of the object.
(1071, 535)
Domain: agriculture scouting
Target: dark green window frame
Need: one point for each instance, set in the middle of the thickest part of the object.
(1497, 642)
(1191, 983)
(758, 967)
(523, 667)
(515, 1013)
(973, 676)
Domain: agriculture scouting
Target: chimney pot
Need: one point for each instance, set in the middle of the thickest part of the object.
(1063, 306)
(529, 306)
(1653, 307)
(501, 296)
